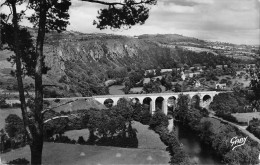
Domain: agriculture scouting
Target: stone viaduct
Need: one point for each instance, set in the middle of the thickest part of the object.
(154, 100)
(163, 99)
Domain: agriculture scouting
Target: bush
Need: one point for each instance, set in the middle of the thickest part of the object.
(217, 139)
(19, 161)
(145, 117)
(159, 119)
(230, 118)
(141, 114)
(14, 126)
(16, 105)
(254, 127)
(81, 140)
(178, 155)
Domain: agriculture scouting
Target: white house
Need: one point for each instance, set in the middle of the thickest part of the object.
(197, 84)
(221, 86)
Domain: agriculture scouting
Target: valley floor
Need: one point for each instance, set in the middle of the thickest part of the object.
(150, 151)
(68, 154)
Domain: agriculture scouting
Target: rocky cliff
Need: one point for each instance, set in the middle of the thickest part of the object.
(79, 62)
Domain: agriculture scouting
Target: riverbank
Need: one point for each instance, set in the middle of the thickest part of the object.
(199, 153)
(218, 134)
(241, 128)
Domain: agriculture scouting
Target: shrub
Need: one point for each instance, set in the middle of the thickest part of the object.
(81, 140)
(141, 114)
(14, 126)
(159, 119)
(19, 161)
(16, 105)
(170, 139)
(254, 127)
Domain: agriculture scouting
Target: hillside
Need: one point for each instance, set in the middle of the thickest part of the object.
(80, 62)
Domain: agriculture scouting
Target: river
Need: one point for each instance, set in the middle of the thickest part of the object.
(198, 152)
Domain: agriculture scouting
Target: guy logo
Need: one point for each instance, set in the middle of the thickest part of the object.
(235, 142)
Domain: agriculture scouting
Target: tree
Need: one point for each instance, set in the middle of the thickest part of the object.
(14, 125)
(178, 88)
(158, 71)
(53, 15)
(183, 106)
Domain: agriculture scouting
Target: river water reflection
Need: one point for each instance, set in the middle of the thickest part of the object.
(198, 152)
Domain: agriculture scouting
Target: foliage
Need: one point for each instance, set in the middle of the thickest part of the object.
(254, 127)
(166, 81)
(54, 15)
(117, 73)
(22, 161)
(204, 58)
(141, 113)
(28, 56)
(3, 103)
(13, 136)
(255, 86)
(14, 126)
(159, 119)
(135, 77)
(152, 87)
(126, 15)
(58, 126)
(178, 155)
(178, 87)
(217, 134)
(229, 117)
(182, 106)
(158, 71)
(224, 103)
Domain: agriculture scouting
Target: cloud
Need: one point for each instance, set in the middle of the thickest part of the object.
(235, 21)
(172, 8)
(187, 2)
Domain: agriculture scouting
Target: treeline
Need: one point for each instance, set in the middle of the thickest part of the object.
(217, 134)
(224, 104)
(107, 127)
(204, 58)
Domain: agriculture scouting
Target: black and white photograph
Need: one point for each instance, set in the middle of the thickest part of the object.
(130, 82)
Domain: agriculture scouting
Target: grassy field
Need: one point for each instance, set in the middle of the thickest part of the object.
(116, 90)
(68, 154)
(150, 151)
(147, 139)
(245, 117)
(81, 104)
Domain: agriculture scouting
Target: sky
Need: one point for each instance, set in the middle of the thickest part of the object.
(234, 21)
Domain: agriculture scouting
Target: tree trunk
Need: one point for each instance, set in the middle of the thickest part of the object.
(36, 151)
(19, 70)
(37, 144)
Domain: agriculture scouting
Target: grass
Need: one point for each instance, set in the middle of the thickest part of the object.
(150, 151)
(55, 153)
(150, 148)
(81, 104)
(116, 90)
(147, 139)
(245, 117)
